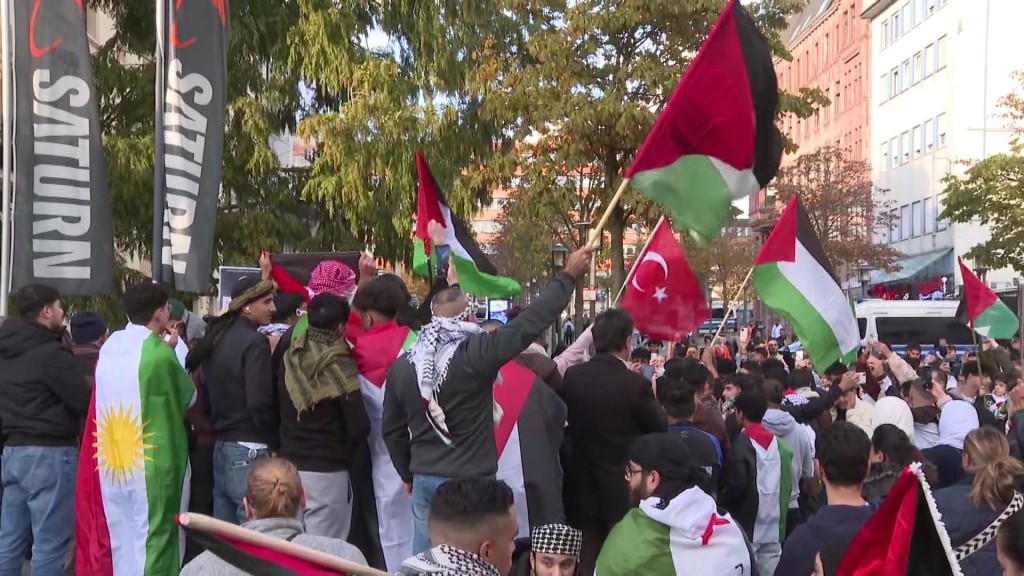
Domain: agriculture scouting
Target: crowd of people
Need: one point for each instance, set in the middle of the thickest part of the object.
(613, 457)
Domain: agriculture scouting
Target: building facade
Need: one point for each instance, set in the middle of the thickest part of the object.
(938, 73)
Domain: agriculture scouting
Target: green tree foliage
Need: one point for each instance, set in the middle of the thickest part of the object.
(596, 74)
(991, 192)
(844, 207)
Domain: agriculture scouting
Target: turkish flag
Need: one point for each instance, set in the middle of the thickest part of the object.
(662, 294)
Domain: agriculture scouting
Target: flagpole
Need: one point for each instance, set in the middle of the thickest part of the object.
(595, 234)
(216, 527)
(728, 311)
(636, 261)
(159, 181)
(5, 235)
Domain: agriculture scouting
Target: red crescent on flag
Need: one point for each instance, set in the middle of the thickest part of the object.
(658, 259)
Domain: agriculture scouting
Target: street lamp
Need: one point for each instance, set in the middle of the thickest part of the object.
(558, 254)
(865, 279)
(710, 287)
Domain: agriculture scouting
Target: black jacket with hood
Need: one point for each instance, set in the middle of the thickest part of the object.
(45, 397)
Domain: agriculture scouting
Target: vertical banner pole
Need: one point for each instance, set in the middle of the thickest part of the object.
(159, 181)
(8, 114)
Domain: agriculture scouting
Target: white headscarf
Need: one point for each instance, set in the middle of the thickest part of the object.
(895, 411)
(957, 420)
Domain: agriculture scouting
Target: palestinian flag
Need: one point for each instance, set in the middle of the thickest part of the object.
(477, 276)
(983, 311)
(261, 555)
(688, 537)
(528, 438)
(774, 479)
(385, 514)
(716, 140)
(905, 537)
(314, 272)
(792, 276)
(133, 472)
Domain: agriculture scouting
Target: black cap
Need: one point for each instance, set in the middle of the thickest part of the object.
(87, 327)
(665, 452)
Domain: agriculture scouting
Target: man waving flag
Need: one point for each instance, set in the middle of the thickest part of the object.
(793, 277)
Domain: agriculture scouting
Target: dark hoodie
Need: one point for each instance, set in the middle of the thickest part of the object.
(45, 397)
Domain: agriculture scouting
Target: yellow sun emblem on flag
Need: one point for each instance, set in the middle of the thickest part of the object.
(120, 443)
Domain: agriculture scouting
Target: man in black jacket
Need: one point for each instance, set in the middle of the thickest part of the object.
(609, 407)
(323, 420)
(45, 400)
(439, 410)
(239, 393)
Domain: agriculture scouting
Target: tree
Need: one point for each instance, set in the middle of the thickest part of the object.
(596, 74)
(844, 207)
(991, 191)
(724, 260)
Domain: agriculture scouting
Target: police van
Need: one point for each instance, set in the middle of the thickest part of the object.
(923, 322)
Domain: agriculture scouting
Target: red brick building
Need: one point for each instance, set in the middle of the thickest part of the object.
(830, 45)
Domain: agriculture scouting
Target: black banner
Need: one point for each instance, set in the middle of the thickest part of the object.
(197, 37)
(63, 228)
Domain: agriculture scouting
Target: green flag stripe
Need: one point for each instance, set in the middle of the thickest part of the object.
(997, 321)
(815, 334)
(164, 392)
(477, 283)
(420, 263)
(637, 537)
(785, 485)
(693, 190)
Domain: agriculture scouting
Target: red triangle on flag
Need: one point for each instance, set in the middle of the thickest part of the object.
(510, 393)
(662, 294)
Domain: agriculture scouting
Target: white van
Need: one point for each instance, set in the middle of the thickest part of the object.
(924, 322)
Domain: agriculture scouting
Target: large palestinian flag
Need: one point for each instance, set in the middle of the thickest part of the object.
(384, 507)
(983, 311)
(528, 437)
(262, 555)
(793, 277)
(688, 537)
(477, 276)
(716, 140)
(302, 273)
(133, 472)
(905, 537)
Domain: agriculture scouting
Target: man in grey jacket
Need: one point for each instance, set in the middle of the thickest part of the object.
(439, 410)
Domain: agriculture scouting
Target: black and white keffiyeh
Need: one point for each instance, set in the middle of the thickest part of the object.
(446, 560)
(431, 356)
(556, 539)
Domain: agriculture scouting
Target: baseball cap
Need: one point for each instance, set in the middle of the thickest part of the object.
(665, 452)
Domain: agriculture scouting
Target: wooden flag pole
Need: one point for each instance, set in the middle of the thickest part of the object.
(596, 232)
(213, 526)
(728, 311)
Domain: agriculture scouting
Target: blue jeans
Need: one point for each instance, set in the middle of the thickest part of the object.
(231, 464)
(423, 488)
(38, 506)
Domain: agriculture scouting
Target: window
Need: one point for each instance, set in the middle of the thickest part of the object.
(905, 17)
(929, 136)
(922, 329)
(886, 40)
(905, 223)
(918, 215)
(910, 14)
(897, 26)
(940, 54)
(835, 103)
(894, 226)
(918, 69)
(894, 151)
(929, 59)
(932, 6)
(940, 130)
(929, 216)
(940, 224)
(904, 147)
(924, 9)
(886, 160)
(917, 139)
(905, 75)
(894, 75)
(846, 27)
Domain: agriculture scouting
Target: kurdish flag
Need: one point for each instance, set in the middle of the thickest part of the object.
(983, 311)
(133, 472)
(716, 139)
(477, 275)
(794, 278)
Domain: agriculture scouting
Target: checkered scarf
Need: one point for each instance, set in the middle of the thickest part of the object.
(334, 277)
(446, 560)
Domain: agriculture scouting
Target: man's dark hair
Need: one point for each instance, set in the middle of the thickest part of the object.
(763, 351)
(327, 311)
(912, 346)
(640, 353)
(286, 305)
(142, 300)
(752, 366)
(752, 404)
(676, 396)
(970, 368)
(1010, 538)
(446, 296)
(380, 295)
(773, 391)
(843, 451)
(775, 369)
(655, 343)
(612, 330)
(32, 298)
(688, 370)
(467, 503)
(836, 370)
(801, 378)
(744, 381)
